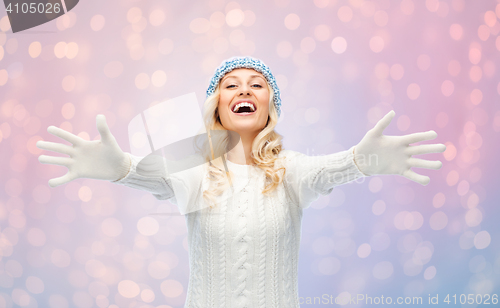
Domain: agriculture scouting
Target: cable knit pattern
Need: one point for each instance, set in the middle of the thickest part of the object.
(244, 252)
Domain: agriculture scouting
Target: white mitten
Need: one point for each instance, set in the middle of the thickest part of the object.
(380, 154)
(98, 159)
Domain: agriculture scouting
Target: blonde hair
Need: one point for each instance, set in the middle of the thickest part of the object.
(265, 148)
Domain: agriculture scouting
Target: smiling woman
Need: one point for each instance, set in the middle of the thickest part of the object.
(244, 248)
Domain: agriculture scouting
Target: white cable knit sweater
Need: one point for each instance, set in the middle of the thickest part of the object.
(244, 252)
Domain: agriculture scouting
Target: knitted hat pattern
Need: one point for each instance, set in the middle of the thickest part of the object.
(246, 62)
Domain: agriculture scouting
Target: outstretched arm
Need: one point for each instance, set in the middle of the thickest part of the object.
(377, 153)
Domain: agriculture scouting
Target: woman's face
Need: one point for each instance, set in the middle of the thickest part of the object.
(249, 87)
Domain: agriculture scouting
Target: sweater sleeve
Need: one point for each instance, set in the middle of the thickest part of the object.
(159, 185)
(312, 176)
(182, 188)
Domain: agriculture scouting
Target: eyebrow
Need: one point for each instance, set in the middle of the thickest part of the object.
(223, 79)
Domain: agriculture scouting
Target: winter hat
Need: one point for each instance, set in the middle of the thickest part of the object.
(246, 62)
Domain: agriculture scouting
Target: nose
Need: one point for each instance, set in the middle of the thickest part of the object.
(244, 90)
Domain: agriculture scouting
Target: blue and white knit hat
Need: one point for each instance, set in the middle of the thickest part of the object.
(246, 62)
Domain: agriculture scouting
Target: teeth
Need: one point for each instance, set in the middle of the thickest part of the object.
(242, 105)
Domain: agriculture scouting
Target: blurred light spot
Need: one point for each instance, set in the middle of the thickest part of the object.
(381, 18)
(322, 246)
(339, 45)
(475, 73)
(307, 45)
(13, 187)
(156, 18)
(4, 75)
(249, 18)
(474, 55)
(158, 270)
(292, 21)
(329, 266)
(22, 298)
(403, 123)
(344, 13)
(438, 221)
(34, 49)
(148, 226)
(407, 7)
(466, 240)
(15, 70)
(284, 49)
(217, 20)
(321, 3)
(456, 32)
(413, 91)
(463, 188)
(147, 296)
(36, 237)
(364, 250)
(483, 32)
(95, 268)
(60, 258)
(111, 227)
(476, 96)
(442, 119)
(68, 83)
(60, 50)
(381, 70)
(474, 140)
(322, 32)
(18, 162)
(452, 177)
(423, 62)
(377, 44)
(128, 288)
(375, 184)
(473, 217)
(482, 240)
(159, 78)
(171, 288)
(5, 24)
(97, 22)
(312, 115)
(113, 69)
(235, 17)
(134, 15)
(383, 270)
(65, 213)
(447, 87)
(378, 207)
(85, 193)
(490, 18)
(34, 285)
(13, 268)
(397, 71)
(432, 5)
(142, 81)
(430, 273)
(450, 153)
(11, 46)
(489, 67)
(199, 25)
(68, 111)
(17, 219)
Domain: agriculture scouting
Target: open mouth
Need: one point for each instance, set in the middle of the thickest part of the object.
(244, 108)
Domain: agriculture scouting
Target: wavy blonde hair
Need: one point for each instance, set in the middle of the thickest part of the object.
(265, 149)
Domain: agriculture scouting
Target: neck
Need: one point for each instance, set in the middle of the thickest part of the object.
(241, 153)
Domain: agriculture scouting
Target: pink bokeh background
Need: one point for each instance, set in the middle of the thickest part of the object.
(340, 66)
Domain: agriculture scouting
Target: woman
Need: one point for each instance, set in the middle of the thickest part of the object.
(244, 249)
